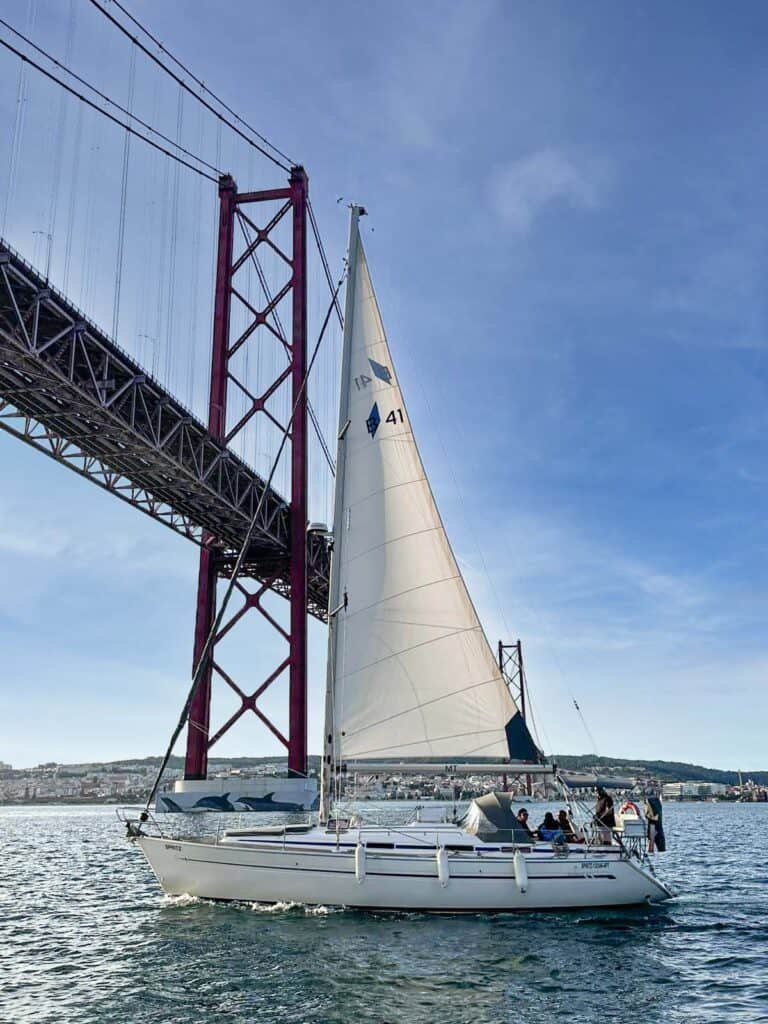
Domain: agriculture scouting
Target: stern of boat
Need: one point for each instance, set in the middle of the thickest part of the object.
(657, 891)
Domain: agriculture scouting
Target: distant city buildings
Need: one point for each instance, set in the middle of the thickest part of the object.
(693, 790)
(747, 792)
(77, 783)
(131, 781)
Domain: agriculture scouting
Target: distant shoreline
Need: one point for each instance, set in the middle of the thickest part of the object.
(114, 802)
(74, 801)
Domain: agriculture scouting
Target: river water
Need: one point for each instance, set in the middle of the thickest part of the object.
(86, 937)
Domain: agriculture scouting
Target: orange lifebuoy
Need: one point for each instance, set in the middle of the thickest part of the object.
(629, 805)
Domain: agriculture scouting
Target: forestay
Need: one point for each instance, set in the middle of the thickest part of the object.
(411, 672)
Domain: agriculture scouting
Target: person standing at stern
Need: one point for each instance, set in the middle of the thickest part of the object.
(604, 816)
(655, 828)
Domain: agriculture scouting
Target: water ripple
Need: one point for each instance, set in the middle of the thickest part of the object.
(87, 938)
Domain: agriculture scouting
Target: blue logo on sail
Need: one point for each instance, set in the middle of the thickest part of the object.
(373, 421)
(382, 372)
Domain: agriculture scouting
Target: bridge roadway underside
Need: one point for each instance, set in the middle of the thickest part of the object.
(69, 391)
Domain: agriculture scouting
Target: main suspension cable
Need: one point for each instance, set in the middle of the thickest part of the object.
(113, 103)
(202, 660)
(153, 57)
(199, 82)
(105, 113)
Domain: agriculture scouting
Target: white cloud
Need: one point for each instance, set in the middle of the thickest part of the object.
(524, 188)
(567, 589)
(84, 544)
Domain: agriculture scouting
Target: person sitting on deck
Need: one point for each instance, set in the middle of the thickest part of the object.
(566, 825)
(522, 820)
(549, 830)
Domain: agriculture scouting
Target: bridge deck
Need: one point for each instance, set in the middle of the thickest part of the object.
(72, 393)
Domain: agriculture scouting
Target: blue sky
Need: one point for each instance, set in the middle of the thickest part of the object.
(567, 235)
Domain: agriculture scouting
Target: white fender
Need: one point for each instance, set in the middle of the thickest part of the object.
(521, 871)
(443, 872)
(360, 863)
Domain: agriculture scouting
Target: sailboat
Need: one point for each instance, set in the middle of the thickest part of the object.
(413, 685)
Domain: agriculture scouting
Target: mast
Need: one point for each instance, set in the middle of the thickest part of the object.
(335, 600)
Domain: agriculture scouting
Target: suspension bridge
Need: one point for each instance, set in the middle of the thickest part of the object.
(80, 394)
(208, 402)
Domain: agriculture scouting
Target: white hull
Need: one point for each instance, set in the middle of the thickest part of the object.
(312, 869)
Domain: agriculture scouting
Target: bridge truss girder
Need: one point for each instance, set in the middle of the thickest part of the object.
(69, 391)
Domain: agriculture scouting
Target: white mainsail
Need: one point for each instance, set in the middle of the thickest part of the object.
(411, 673)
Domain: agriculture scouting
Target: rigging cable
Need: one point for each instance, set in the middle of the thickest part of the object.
(340, 316)
(236, 569)
(321, 438)
(126, 32)
(197, 81)
(324, 259)
(586, 727)
(102, 96)
(105, 113)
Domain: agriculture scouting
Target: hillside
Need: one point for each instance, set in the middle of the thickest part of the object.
(665, 771)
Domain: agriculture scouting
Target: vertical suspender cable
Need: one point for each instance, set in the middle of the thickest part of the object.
(12, 149)
(18, 127)
(59, 147)
(195, 289)
(123, 202)
(161, 312)
(90, 248)
(146, 342)
(74, 192)
(171, 318)
(185, 85)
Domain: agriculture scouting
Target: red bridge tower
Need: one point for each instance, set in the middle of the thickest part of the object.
(276, 204)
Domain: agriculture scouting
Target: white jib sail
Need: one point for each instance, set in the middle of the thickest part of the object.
(411, 673)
